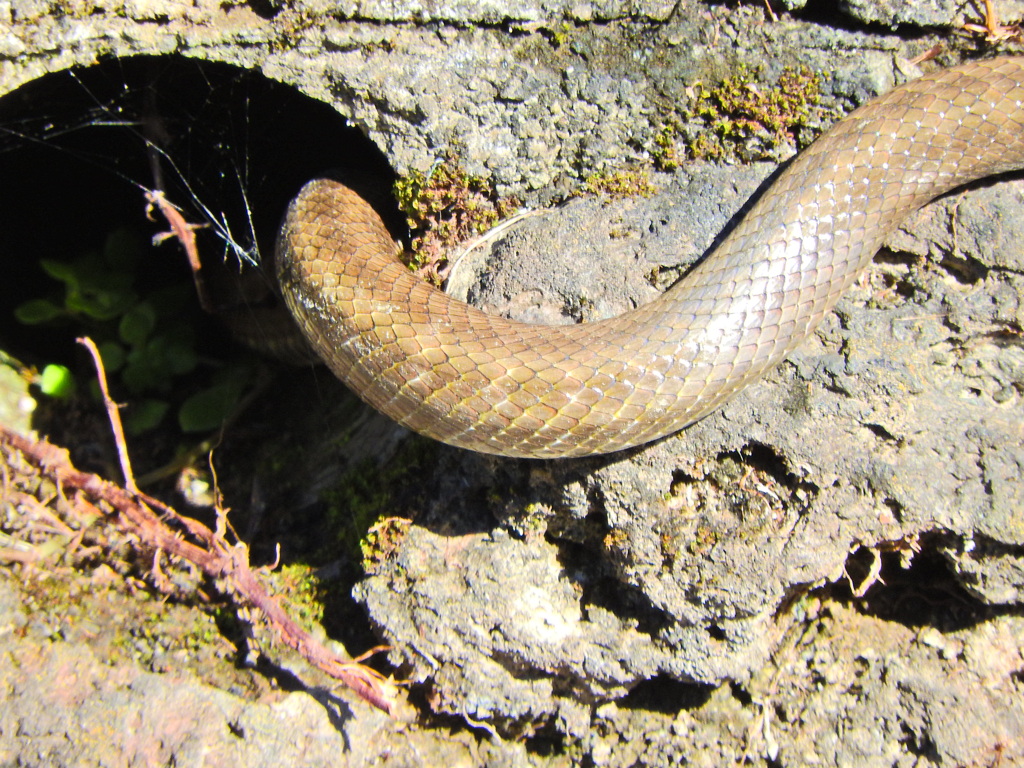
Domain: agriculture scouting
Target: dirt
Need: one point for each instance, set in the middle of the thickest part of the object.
(828, 571)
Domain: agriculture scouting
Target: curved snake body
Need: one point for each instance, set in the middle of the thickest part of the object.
(451, 372)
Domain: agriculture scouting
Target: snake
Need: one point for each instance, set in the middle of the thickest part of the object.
(449, 371)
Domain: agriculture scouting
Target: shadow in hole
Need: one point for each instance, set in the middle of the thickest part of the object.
(925, 594)
(232, 148)
(665, 695)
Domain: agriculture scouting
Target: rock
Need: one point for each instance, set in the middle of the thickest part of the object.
(679, 602)
(712, 528)
(924, 13)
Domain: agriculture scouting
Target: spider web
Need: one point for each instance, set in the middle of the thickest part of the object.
(184, 128)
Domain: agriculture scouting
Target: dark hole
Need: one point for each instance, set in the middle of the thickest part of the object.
(740, 694)
(665, 695)
(266, 9)
(234, 147)
(925, 594)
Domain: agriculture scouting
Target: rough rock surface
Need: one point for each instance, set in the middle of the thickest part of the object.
(655, 606)
(920, 13)
(714, 528)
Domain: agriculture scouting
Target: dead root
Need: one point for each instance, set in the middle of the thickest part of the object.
(160, 531)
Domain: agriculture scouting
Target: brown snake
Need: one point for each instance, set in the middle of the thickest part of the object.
(455, 374)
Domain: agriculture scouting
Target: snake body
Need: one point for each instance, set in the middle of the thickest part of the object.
(453, 373)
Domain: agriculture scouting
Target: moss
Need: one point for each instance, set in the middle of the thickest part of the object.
(666, 155)
(704, 539)
(381, 540)
(619, 184)
(670, 549)
(368, 495)
(616, 540)
(531, 522)
(71, 605)
(354, 504)
(161, 631)
(300, 588)
(558, 35)
(748, 121)
(445, 207)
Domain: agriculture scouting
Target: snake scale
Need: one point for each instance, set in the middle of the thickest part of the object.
(453, 373)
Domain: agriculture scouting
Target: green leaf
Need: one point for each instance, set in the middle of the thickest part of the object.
(101, 302)
(143, 415)
(208, 409)
(56, 381)
(112, 355)
(137, 323)
(60, 270)
(37, 311)
(144, 371)
(180, 357)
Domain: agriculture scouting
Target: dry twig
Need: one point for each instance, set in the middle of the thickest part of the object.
(113, 413)
(181, 230)
(185, 234)
(928, 55)
(226, 563)
(992, 29)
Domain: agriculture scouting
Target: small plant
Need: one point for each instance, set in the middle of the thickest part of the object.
(445, 207)
(703, 541)
(666, 153)
(382, 540)
(146, 341)
(364, 509)
(620, 184)
(56, 381)
(558, 35)
(748, 120)
(616, 540)
(300, 590)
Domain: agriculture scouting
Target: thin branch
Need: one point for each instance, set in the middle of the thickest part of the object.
(218, 559)
(185, 234)
(181, 230)
(114, 414)
(992, 29)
